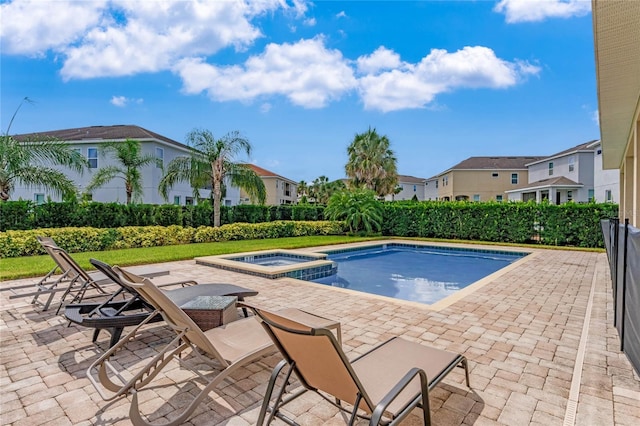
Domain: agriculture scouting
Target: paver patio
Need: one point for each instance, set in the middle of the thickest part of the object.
(539, 338)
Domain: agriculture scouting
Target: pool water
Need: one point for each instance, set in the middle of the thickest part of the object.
(415, 273)
(275, 261)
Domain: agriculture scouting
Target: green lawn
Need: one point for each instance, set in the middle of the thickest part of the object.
(34, 266)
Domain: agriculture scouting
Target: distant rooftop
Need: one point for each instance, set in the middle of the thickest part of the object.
(266, 173)
(494, 163)
(583, 147)
(106, 133)
(410, 179)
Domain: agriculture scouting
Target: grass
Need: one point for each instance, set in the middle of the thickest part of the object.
(36, 266)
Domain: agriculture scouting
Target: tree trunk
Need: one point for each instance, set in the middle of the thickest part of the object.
(216, 202)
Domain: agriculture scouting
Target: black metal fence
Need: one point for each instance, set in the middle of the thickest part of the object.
(622, 242)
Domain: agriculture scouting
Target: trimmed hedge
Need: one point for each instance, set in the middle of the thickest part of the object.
(16, 215)
(24, 243)
(568, 224)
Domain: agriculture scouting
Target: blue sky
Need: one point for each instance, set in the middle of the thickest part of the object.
(443, 80)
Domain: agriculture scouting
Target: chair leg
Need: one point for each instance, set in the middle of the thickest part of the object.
(269, 391)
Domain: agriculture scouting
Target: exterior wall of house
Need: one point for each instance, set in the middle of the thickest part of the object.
(431, 189)
(114, 191)
(409, 189)
(479, 185)
(606, 183)
(279, 191)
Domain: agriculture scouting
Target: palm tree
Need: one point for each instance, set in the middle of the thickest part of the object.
(29, 162)
(211, 161)
(372, 164)
(129, 155)
(358, 208)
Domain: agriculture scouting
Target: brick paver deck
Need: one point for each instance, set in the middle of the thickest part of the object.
(522, 333)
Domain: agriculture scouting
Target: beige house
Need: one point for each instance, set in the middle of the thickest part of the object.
(483, 178)
(616, 29)
(280, 190)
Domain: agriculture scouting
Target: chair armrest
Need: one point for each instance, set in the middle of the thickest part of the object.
(378, 412)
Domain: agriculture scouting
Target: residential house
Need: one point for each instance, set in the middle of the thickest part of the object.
(280, 190)
(616, 32)
(565, 176)
(409, 187)
(431, 188)
(88, 140)
(483, 178)
(606, 183)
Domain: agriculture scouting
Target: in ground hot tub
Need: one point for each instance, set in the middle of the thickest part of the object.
(274, 264)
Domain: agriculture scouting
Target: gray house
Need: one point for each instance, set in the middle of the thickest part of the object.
(87, 141)
(569, 175)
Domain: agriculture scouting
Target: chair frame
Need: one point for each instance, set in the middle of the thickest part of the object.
(362, 399)
(187, 336)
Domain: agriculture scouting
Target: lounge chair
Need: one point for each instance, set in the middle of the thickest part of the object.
(390, 380)
(114, 316)
(232, 346)
(71, 272)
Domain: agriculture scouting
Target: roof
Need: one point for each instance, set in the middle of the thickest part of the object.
(105, 133)
(616, 36)
(267, 173)
(494, 163)
(410, 179)
(583, 147)
(548, 183)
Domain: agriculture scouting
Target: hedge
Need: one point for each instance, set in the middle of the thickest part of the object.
(567, 224)
(16, 215)
(24, 243)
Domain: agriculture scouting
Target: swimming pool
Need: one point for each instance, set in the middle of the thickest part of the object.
(417, 273)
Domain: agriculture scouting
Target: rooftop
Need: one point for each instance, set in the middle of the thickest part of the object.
(539, 338)
(494, 163)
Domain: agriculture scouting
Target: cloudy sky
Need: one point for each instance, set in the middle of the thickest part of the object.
(443, 80)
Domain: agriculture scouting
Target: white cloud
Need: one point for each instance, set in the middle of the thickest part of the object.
(538, 10)
(341, 14)
(311, 22)
(265, 107)
(306, 73)
(381, 59)
(416, 85)
(122, 101)
(31, 27)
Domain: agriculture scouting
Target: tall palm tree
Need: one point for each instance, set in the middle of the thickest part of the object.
(210, 162)
(30, 162)
(372, 164)
(129, 155)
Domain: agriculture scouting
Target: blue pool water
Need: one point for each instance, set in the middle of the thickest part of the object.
(415, 273)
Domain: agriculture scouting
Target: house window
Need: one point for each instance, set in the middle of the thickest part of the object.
(476, 197)
(514, 178)
(92, 157)
(607, 195)
(159, 158)
(227, 203)
(599, 152)
(494, 175)
(591, 195)
(436, 184)
(551, 168)
(38, 198)
(176, 200)
(415, 188)
(188, 201)
(569, 195)
(445, 181)
(499, 198)
(572, 161)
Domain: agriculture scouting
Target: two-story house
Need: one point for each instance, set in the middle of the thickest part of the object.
(408, 187)
(566, 176)
(280, 190)
(482, 178)
(88, 140)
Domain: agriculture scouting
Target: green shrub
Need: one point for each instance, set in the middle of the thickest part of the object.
(23, 243)
(16, 215)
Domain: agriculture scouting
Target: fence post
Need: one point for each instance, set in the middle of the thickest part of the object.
(624, 282)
